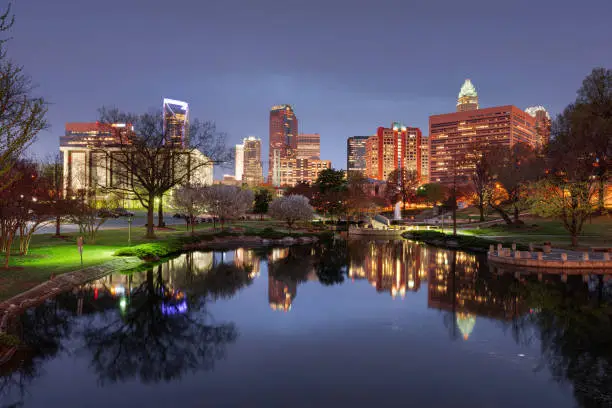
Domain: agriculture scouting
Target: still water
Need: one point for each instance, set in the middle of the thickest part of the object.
(357, 323)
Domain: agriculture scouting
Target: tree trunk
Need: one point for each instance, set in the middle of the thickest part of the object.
(574, 240)
(9, 243)
(481, 210)
(516, 215)
(58, 226)
(160, 213)
(150, 209)
(503, 214)
(601, 195)
(192, 225)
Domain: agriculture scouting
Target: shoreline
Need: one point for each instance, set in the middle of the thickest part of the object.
(68, 280)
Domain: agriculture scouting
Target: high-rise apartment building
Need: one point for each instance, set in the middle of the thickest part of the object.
(393, 148)
(239, 161)
(176, 122)
(542, 124)
(253, 172)
(455, 137)
(468, 97)
(356, 154)
(283, 138)
(308, 146)
(425, 160)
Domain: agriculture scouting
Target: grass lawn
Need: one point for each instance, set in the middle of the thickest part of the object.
(53, 256)
(596, 232)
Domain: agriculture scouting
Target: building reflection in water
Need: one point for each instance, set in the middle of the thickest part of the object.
(454, 280)
(281, 289)
(458, 285)
(390, 266)
(177, 274)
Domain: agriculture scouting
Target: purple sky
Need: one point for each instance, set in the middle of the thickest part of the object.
(346, 69)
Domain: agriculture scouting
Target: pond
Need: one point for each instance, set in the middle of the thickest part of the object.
(345, 323)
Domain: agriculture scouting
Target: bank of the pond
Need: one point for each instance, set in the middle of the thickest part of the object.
(62, 283)
(47, 277)
(462, 242)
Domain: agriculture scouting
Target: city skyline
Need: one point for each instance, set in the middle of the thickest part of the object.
(527, 67)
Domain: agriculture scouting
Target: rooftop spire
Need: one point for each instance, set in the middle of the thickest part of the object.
(467, 89)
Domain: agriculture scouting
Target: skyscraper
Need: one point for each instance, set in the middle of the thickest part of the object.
(455, 137)
(253, 173)
(356, 154)
(176, 122)
(542, 124)
(425, 160)
(239, 159)
(283, 141)
(308, 146)
(393, 148)
(468, 97)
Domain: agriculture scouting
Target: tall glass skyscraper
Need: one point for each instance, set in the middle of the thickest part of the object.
(283, 138)
(176, 123)
(356, 154)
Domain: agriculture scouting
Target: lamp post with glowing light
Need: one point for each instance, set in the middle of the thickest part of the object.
(129, 230)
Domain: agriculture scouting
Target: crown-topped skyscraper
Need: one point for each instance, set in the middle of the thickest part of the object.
(468, 97)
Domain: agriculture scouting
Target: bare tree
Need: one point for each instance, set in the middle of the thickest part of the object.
(189, 201)
(52, 169)
(482, 181)
(514, 169)
(22, 116)
(90, 212)
(291, 209)
(227, 202)
(148, 166)
(401, 185)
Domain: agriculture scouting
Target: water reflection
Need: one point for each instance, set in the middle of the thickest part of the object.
(157, 325)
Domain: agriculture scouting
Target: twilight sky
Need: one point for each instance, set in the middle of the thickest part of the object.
(347, 66)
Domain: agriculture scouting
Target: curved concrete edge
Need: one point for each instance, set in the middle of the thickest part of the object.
(62, 283)
(556, 264)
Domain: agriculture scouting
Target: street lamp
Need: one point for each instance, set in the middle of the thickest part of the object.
(129, 230)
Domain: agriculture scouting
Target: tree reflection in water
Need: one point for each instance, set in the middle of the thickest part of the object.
(40, 331)
(573, 322)
(164, 333)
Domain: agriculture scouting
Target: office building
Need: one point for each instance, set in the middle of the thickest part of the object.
(239, 160)
(356, 154)
(283, 139)
(308, 146)
(252, 169)
(454, 138)
(393, 148)
(542, 124)
(176, 122)
(293, 171)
